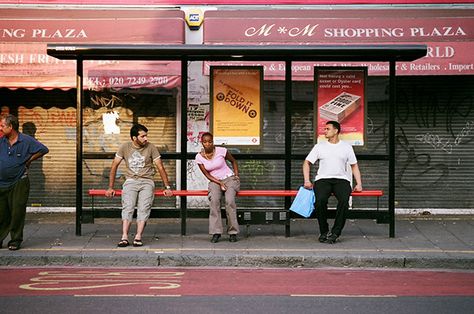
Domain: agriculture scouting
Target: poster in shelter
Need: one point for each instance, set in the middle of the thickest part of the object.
(341, 96)
(236, 105)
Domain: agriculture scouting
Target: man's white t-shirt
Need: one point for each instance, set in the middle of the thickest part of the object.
(333, 160)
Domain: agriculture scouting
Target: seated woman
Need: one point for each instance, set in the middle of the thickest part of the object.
(212, 162)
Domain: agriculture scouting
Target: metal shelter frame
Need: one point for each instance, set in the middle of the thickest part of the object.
(286, 53)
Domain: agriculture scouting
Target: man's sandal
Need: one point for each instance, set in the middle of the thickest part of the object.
(137, 243)
(13, 247)
(123, 243)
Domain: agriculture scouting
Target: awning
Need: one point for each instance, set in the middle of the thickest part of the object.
(24, 34)
(448, 33)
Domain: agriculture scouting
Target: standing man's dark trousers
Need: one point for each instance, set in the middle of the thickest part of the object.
(13, 211)
(323, 188)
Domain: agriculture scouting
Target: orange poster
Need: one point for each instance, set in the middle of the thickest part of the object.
(340, 96)
(236, 105)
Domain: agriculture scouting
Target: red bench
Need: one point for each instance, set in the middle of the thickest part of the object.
(246, 216)
(376, 193)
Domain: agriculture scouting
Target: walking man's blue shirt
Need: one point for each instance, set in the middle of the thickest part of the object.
(13, 158)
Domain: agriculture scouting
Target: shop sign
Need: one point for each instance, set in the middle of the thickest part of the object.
(25, 33)
(448, 33)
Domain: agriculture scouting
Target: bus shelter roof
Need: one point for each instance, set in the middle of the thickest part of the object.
(401, 52)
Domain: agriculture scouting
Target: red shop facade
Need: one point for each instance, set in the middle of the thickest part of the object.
(434, 112)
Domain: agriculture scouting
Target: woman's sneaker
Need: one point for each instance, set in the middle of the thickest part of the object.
(215, 238)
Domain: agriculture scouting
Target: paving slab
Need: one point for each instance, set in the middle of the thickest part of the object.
(420, 242)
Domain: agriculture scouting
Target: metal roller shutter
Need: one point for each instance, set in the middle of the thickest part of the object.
(435, 142)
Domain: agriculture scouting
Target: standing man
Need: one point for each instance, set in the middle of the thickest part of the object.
(139, 187)
(333, 177)
(17, 151)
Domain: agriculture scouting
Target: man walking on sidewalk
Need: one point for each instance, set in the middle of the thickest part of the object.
(332, 178)
(139, 187)
(17, 151)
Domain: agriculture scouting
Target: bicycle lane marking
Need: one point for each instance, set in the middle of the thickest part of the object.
(233, 281)
(73, 281)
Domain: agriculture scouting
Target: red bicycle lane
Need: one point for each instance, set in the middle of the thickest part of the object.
(233, 281)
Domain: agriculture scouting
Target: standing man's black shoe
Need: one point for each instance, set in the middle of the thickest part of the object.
(233, 238)
(332, 238)
(215, 238)
(323, 237)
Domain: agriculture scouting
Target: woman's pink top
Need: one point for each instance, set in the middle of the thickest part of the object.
(217, 166)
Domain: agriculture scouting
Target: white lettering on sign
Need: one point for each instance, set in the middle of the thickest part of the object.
(12, 33)
(427, 66)
(445, 31)
(120, 81)
(264, 30)
(363, 32)
(42, 33)
(33, 58)
(44, 59)
(307, 30)
(440, 52)
(59, 33)
(310, 30)
(461, 67)
(11, 58)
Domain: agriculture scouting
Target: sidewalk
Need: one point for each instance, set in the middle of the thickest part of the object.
(420, 242)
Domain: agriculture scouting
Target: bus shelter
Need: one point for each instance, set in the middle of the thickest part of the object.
(220, 53)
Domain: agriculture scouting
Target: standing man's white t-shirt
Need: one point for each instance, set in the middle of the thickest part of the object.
(333, 159)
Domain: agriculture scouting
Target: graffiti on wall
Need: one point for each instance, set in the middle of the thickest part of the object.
(256, 172)
(56, 128)
(445, 144)
(428, 123)
(302, 131)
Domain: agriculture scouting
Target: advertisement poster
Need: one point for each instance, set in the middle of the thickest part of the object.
(236, 105)
(340, 96)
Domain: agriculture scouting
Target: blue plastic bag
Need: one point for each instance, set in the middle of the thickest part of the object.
(303, 204)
